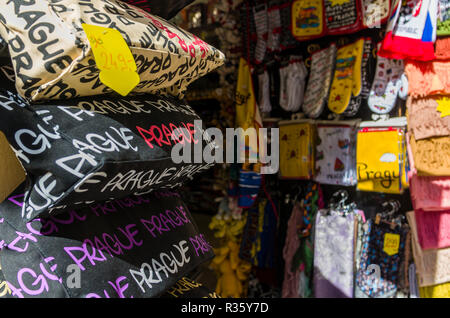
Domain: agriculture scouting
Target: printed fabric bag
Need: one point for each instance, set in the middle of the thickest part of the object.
(94, 149)
(296, 150)
(383, 248)
(53, 58)
(381, 160)
(333, 255)
(335, 155)
(136, 247)
(432, 265)
(427, 193)
(162, 8)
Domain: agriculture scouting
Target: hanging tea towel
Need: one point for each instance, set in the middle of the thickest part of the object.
(412, 33)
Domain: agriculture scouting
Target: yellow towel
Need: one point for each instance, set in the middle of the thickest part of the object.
(378, 152)
(436, 291)
(296, 150)
(247, 111)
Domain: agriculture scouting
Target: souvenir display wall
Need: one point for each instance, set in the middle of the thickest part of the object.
(91, 104)
(96, 94)
(358, 207)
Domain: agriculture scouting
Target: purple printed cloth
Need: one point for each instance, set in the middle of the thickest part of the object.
(334, 255)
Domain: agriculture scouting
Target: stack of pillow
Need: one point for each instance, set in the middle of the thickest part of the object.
(97, 198)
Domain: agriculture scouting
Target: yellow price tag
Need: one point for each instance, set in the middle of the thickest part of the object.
(113, 58)
(391, 243)
(443, 106)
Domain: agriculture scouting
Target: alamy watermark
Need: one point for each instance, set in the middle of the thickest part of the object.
(242, 146)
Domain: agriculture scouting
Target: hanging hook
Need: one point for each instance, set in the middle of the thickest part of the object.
(394, 207)
(338, 199)
(299, 191)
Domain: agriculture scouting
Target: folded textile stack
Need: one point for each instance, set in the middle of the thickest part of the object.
(428, 147)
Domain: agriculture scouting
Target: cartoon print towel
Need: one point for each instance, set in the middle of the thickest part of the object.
(335, 155)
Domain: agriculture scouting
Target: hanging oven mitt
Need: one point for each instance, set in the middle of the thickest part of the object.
(381, 160)
(284, 72)
(292, 84)
(357, 67)
(355, 100)
(367, 67)
(320, 75)
(342, 16)
(389, 82)
(264, 92)
(296, 83)
(341, 87)
(307, 19)
(347, 76)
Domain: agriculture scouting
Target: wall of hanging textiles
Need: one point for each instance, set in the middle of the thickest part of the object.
(358, 208)
(70, 75)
